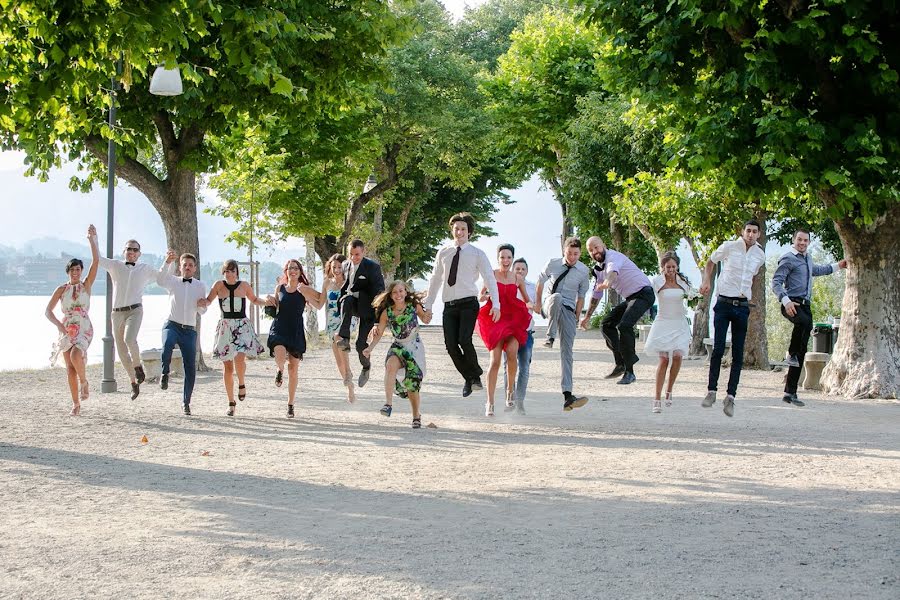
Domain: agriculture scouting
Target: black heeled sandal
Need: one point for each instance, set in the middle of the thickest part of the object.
(278, 377)
(290, 414)
(242, 392)
(231, 406)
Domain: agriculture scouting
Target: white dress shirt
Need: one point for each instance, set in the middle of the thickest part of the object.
(472, 264)
(129, 281)
(183, 296)
(532, 291)
(739, 266)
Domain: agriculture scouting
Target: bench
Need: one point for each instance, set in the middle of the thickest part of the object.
(152, 361)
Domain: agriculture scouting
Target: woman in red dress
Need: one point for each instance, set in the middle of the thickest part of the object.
(509, 331)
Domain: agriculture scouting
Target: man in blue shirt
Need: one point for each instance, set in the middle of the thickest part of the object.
(792, 283)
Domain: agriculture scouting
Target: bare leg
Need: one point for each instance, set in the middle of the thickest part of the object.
(342, 360)
(661, 369)
(414, 401)
(72, 378)
(494, 371)
(76, 356)
(280, 358)
(673, 374)
(240, 367)
(293, 369)
(228, 379)
(391, 367)
(512, 368)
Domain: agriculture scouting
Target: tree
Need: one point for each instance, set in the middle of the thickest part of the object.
(298, 60)
(793, 102)
(484, 33)
(534, 94)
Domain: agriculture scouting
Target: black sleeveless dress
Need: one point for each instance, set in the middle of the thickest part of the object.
(287, 327)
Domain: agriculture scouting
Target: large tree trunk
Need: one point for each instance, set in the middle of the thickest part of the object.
(700, 329)
(312, 314)
(756, 347)
(864, 361)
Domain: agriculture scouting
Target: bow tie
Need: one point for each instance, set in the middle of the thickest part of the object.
(187, 279)
(130, 264)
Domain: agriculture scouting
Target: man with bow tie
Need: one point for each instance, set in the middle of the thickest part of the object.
(129, 278)
(792, 283)
(188, 299)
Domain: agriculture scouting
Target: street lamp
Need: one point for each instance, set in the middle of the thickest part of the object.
(165, 82)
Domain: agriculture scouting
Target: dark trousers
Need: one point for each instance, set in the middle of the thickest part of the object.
(803, 323)
(350, 309)
(725, 315)
(459, 323)
(175, 334)
(618, 326)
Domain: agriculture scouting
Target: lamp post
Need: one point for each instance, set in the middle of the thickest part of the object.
(165, 82)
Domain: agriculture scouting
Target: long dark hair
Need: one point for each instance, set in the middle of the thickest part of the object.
(284, 276)
(383, 300)
(672, 256)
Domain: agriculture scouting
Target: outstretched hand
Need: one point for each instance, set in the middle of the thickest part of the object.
(704, 288)
(170, 256)
(585, 323)
(842, 263)
(92, 233)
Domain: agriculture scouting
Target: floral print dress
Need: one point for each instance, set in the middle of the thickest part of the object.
(408, 347)
(79, 330)
(234, 333)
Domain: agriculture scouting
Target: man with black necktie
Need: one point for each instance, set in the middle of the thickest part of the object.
(457, 268)
(129, 278)
(187, 298)
(363, 280)
(568, 279)
(792, 283)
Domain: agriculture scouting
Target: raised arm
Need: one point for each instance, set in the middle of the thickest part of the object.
(95, 259)
(165, 277)
(214, 292)
(522, 289)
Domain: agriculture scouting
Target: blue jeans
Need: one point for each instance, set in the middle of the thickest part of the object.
(186, 339)
(524, 360)
(725, 314)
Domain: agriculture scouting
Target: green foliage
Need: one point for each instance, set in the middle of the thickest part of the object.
(484, 32)
(787, 101)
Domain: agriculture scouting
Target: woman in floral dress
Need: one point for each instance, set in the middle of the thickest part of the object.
(75, 329)
(400, 308)
(235, 338)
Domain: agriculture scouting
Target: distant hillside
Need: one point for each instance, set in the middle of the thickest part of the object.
(53, 247)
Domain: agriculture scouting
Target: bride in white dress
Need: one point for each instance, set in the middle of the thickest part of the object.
(670, 334)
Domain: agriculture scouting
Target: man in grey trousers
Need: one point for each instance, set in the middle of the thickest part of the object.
(568, 281)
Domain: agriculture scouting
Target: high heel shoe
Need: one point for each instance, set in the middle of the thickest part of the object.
(489, 409)
(231, 406)
(657, 408)
(76, 410)
(84, 391)
(668, 399)
(510, 398)
(242, 392)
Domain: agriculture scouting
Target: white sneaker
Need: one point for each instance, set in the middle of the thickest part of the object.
(729, 406)
(709, 400)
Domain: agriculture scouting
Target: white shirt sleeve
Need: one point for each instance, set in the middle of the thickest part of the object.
(487, 274)
(434, 284)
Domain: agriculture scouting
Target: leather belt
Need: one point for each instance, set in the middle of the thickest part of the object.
(124, 308)
(735, 301)
(799, 300)
(180, 326)
(460, 301)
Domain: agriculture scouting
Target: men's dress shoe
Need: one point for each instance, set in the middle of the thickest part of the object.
(187, 409)
(728, 409)
(573, 401)
(476, 385)
(626, 379)
(135, 390)
(467, 389)
(139, 375)
(363, 377)
(709, 399)
(164, 382)
(792, 361)
(618, 370)
(549, 343)
(792, 399)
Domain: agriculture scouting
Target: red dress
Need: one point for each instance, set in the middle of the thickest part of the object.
(514, 318)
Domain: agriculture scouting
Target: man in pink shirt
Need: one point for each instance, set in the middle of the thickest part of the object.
(614, 270)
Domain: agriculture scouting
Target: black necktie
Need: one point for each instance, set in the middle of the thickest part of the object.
(129, 264)
(560, 278)
(454, 267)
(187, 279)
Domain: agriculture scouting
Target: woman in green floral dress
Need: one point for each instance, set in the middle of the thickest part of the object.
(400, 308)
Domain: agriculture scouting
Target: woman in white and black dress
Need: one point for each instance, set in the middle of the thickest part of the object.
(670, 334)
(235, 337)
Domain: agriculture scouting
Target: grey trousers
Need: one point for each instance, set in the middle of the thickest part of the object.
(126, 325)
(564, 322)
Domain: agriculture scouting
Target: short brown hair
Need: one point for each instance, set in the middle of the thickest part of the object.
(188, 255)
(231, 265)
(572, 242)
(466, 218)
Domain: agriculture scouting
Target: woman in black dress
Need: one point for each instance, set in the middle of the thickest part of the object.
(287, 339)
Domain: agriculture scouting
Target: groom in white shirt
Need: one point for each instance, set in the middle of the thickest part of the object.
(457, 268)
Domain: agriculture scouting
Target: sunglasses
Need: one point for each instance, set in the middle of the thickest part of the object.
(130, 249)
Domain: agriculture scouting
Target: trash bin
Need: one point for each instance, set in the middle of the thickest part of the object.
(821, 335)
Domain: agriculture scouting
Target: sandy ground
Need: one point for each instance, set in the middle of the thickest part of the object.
(608, 501)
